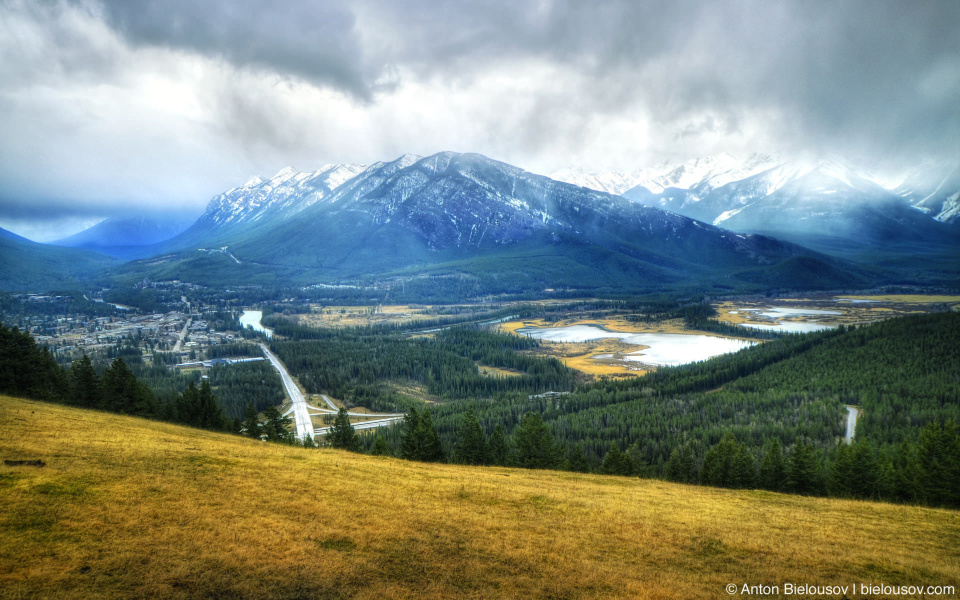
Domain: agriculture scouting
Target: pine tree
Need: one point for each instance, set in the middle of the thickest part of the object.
(864, 475)
(773, 469)
(381, 447)
(498, 449)
(420, 439)
(717, 469)
(119, 387)
(209, 412)
(276, 425)
(251, 423)
(85, 383)
(471, 446)
(342, 435)
(576, 460)
(616, 462)
(432, 447)
(743, 468)
(410, 444)
(840, 477)
(638, 463)
(804, 471)
(535, 446)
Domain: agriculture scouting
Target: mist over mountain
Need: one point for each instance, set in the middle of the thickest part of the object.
(830, 205)
(467, 216)
(123, 237)
(27, 266)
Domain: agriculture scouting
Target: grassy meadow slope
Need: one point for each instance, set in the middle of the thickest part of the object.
(133, 508)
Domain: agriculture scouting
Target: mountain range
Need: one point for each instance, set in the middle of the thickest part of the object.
(127, 237)
(466, 225)
(476, 224)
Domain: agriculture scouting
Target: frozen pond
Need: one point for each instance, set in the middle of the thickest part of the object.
(788, 326)
(251, 318)
(665, 349)
(780, 312)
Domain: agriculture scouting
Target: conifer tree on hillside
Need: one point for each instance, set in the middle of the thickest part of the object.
(381, 447)
(251, 423)
(743, 469)
(681, 466)
(498, 449)
(938, 465)
(342, 435)
(773, 469)
(804, 471)
(420, 439)
(276, 425)
(534, 445)
(471, 445)
(28, 370)
(409, 444)
(616, 462)
(84, 384)
(576, 460)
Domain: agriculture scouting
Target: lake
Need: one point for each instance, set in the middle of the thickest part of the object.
(665, 349)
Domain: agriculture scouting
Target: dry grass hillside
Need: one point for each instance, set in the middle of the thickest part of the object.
(127, 508)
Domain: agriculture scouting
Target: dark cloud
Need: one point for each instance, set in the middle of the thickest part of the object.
(313, 40)
(107, 103)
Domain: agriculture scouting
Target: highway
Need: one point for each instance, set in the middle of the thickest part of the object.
(365, 425)
(301, 410)
(183, 335)
(852, 414)
(300, 414)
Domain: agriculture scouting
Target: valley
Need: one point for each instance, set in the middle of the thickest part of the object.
(566, 300)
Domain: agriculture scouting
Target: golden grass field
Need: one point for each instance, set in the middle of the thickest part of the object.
(128, 508)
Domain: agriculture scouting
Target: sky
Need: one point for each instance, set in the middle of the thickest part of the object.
(112, 107)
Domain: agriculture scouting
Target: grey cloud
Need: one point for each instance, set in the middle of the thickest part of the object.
(312, 40)
(879, 78)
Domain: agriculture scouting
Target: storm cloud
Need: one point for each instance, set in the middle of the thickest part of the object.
(108, 104)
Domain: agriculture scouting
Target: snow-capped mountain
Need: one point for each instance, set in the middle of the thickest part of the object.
(934, 188)
(609, 181)
(500, 227)
(285, 194)
(706, 172)
(831, 205)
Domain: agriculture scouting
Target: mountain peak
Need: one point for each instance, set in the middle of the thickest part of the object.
(285, 173)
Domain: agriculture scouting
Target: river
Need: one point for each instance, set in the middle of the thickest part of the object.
(251, 318)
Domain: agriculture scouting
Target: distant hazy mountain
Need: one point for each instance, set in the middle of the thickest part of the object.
(27, 266)
(829, 205)
(464, 215)
(710, 171)
(120, 236)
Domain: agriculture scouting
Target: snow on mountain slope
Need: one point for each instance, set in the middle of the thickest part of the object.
(609, 181)
(286, 193)
(933, 187)
(706, 172)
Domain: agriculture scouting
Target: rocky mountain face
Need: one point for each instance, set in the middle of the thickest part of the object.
(283, 195)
